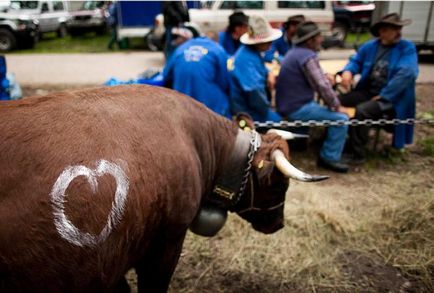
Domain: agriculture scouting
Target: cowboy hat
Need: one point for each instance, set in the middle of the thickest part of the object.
(305, 31)
(238, 18)
(392, 19)
(259, 31)
(295, 19)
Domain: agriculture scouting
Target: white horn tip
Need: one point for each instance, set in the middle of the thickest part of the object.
(316, 178)
(287, 135)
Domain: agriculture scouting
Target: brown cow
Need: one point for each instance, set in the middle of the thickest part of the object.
(95, 182)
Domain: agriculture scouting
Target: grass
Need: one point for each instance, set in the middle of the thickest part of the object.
(88, 43)
(356, 239)
(428, 146)
(93, 43)
(357, 38)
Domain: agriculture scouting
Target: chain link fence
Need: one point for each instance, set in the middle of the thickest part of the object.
(353, 122)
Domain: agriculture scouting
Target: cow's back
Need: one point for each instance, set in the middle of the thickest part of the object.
(149, 136)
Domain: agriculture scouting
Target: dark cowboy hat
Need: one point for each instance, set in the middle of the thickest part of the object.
(295, 19)
(392, 19)
(305, 31)
(238, 18)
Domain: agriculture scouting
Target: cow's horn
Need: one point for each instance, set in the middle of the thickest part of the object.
(290, 171)
(286, 135)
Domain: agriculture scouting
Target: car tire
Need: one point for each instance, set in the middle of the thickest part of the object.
(75, 32)
(340, 31)
(28, 43)
(62, 31)
(8, 41)
(102, 30)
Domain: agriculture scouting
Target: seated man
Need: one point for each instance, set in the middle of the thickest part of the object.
(249, 76)
(284, 43)
(230, 38)
(388, 68)
(299, 78)
(198, 68)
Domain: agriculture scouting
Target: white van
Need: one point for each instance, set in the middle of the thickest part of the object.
(213, 16)
(52, 15)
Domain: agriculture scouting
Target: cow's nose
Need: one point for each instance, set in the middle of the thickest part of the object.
(269, 229)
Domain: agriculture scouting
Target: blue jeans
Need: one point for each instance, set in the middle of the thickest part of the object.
(333, 146)
(273, 116)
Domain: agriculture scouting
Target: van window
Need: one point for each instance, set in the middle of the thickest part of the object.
(24, 4)
(242, 5)
(44, 7)
(301, 4)
(57, 5)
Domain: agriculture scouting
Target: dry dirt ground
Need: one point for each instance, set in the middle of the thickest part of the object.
(371, 230)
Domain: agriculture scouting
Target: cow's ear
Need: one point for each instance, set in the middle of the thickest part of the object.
(264, 169)
(245, 121)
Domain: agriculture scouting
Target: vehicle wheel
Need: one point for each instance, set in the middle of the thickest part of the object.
(75, 32)
(7, 40)
(62, 31)
(340, 31)
(102, 30)
(28, 43)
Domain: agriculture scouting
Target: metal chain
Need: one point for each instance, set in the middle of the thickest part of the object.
(352, 122)
(255, 143)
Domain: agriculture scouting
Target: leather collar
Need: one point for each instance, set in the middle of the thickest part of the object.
(227, 189)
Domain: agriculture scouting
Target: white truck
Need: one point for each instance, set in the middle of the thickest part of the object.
(421, 31)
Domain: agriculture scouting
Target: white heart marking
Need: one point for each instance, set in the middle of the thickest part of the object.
(64, 226)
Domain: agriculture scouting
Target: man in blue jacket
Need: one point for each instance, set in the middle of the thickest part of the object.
(388, 68)
(284, 43)
(230, 38)
(198, 68)
(249, 76)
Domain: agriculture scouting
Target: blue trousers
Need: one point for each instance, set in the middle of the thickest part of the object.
(333, 146)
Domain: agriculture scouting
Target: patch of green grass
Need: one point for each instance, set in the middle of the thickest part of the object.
(357, 38)
(88, 43)
(428, 146)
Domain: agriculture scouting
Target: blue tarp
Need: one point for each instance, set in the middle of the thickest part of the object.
(156, 79)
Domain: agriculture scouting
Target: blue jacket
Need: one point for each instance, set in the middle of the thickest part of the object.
(248, 84)
(198, 68)
(228, 43)
(281, 45)
(401, 81)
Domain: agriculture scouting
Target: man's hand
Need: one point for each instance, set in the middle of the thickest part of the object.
(331, 78)
(376, 98)
(347, 80)
(350, 112)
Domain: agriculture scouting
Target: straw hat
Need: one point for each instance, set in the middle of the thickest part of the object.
(259, 31)
(389, 19)
(305, 31)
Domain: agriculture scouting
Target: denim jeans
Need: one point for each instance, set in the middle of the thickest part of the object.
(333, 146)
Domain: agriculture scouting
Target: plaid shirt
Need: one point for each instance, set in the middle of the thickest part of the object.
(320, 83)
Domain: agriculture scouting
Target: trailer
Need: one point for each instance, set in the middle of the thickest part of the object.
(421, 31)
(136, 18)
